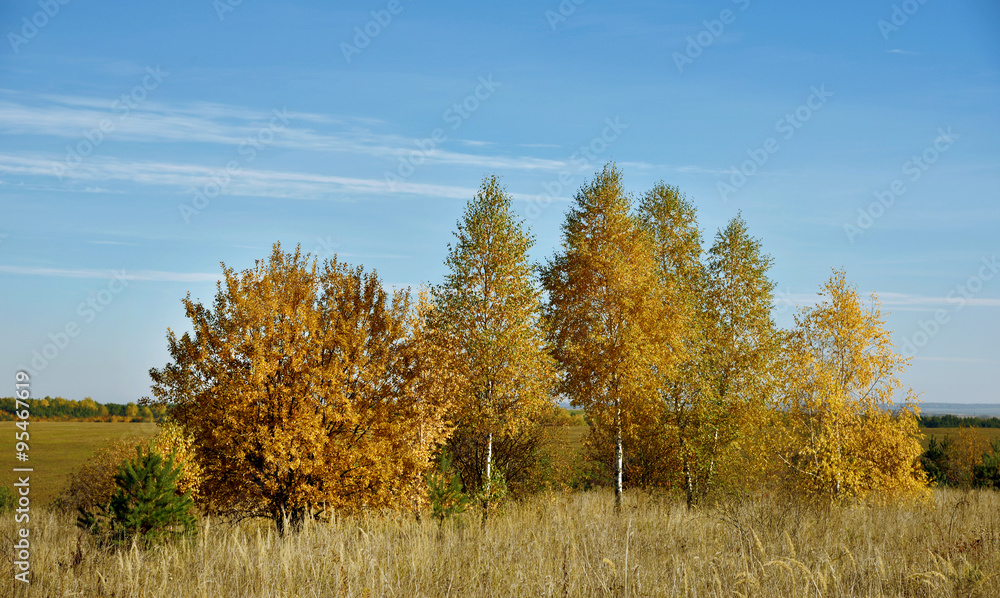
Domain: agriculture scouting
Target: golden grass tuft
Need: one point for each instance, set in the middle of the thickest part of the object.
(557, 545)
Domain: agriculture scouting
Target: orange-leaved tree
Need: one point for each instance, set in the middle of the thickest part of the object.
(301, 388)
(839, 433)
(488, 313)
(610, 317)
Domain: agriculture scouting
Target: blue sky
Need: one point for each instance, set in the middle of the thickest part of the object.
(143, 144)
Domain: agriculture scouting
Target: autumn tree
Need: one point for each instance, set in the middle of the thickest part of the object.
(741, 351)
(839, 433)
(610, 319)
(669, 441)
(488, 310)
(301, 388)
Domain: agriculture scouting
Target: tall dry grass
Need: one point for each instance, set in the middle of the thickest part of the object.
(557, 545)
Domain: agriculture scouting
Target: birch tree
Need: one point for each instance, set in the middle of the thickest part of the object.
(488, 308)
(742, 345)
(840, 434)
(608, 314)
(683, 391)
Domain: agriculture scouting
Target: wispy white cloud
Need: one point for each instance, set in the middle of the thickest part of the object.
(143, 275)
(69, 117)
(959, 359)
(905, 300)
(692, 168)
(896, 301)
(251, 183)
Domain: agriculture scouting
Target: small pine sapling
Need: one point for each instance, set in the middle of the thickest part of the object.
(145, 506)
(445, 491)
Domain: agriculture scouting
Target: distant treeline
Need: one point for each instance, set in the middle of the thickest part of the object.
(958, 421)
(87, 409)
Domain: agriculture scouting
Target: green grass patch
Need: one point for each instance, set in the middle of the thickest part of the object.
(58, 449)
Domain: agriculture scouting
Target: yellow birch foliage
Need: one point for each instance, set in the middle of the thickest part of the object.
(742, 346)
(300, 388)
(838, 432)
(666, 449)
(488, 309)
(611, 320)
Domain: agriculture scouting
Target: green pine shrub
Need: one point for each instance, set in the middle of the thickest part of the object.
(145, 506)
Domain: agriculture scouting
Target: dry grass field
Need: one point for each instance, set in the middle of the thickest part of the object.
(557, 545)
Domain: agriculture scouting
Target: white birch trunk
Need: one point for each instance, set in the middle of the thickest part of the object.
(618, 464)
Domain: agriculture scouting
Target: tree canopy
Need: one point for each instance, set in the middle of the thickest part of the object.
(301, 388)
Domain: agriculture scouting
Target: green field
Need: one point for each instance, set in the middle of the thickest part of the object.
(58, 449)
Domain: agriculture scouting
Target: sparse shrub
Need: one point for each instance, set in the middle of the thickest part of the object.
(145, 505)
(494, 495)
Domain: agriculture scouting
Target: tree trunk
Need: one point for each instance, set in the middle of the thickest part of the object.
(688, 483)
(618, 466)
(711, 465)
(289, 520)
(489, 476)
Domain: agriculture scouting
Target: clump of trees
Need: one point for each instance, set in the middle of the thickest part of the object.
(839, 434)
(86, 409)
(307, 386)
